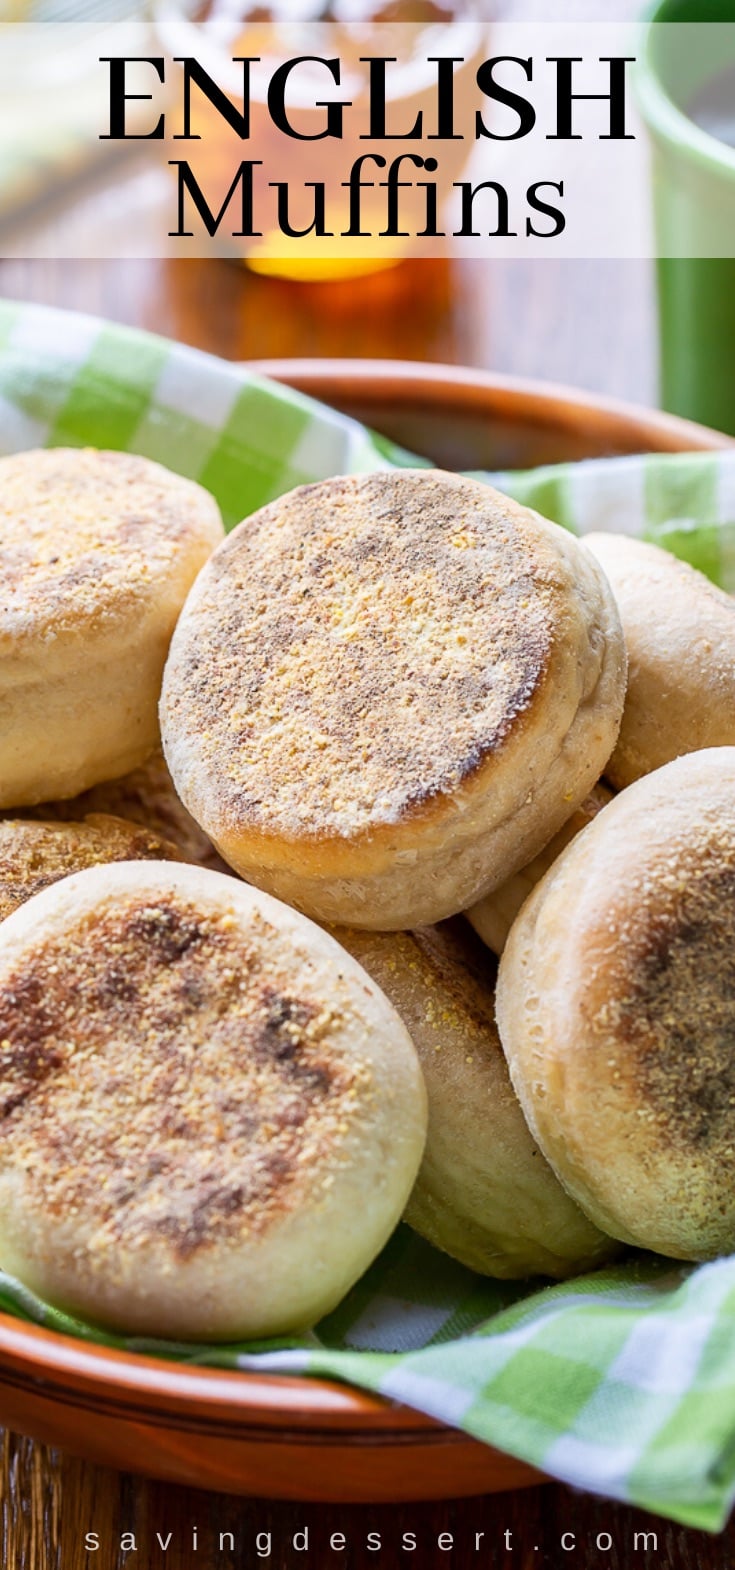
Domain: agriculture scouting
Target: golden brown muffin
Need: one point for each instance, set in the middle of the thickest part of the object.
(97, 553)
(386, 692)
(145, 796)
(493, 917)
(484, 1193)
(680, 635)
(616, 1009)
(35, 854)
(210, 1117)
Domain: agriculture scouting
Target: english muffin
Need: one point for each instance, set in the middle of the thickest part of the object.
(484, 1193)
(35, 854)
(210, 1117)
(680, 635)
(493, 917)
(387, 692)
(146, 796)
(616, 1009)
(97, 553)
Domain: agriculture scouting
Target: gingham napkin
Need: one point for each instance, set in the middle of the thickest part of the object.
(622, 1382)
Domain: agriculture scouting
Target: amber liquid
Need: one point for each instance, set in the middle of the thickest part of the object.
(318, 269)
(273, 33)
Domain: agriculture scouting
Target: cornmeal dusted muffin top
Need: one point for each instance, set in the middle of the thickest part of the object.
(359, 647)
(616, 1008)
(197, 1089)
(196, 1093)
(35, 853)
(386, 692)
(86, 537)
(98, 551)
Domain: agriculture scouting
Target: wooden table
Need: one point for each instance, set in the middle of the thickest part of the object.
(586, 323)
(590, 324)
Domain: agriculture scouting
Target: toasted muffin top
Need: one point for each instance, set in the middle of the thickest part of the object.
(357, 649)
(661, 1014)
(181, 1059)
(87, 536)
(616, 1008)
(34, 854)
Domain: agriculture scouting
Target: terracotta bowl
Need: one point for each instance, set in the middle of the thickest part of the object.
(465, 419)
(295, 1438)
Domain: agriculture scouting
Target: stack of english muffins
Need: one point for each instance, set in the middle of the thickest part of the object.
(251, 1012)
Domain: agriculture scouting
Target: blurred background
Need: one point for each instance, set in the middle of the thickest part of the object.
(588, 323)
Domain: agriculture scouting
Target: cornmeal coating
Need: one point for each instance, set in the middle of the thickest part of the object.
(616, 1010)
(35, 854)
(97, 553)
(210, 1117)
(386, 692)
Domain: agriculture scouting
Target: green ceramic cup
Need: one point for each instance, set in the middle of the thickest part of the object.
(694, 204)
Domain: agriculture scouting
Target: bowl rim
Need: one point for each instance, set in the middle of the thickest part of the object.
(97, 1370)
(71, 1369)
(542, 402)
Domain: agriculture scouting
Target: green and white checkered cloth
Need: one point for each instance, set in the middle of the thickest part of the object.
(622, 1382)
